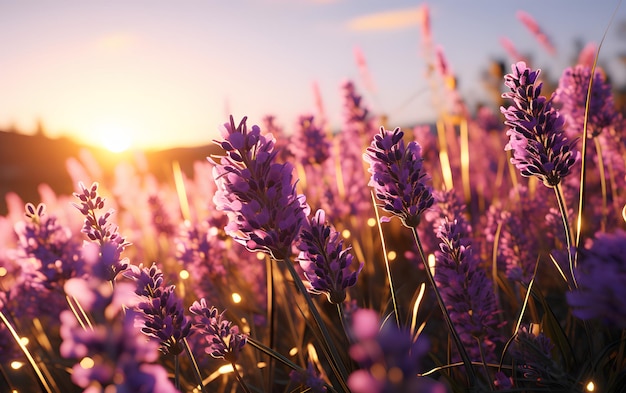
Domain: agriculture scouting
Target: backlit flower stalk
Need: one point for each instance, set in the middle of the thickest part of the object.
(223, 340)
(161, 313)
(50, 245)
(113, 355)
(326, 264)
(538, 142)
(99, 230)
(399, 182)
(264, 211)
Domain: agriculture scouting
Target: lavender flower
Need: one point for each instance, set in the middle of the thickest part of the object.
(308, 378)
(160, 219)
(100, 230)
(572, 95)
(48, 244)
(537, 139)
(160, 310)
(224, 340)
(257, 194)
(326, 264)
(121, 358)
(532, 353)
(601, 276)
(398, 178)
(388, 357)
(309, 145)
(466, 291)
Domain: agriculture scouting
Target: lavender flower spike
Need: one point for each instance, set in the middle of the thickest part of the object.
(398, 178)
(537, 139)
(257, 194)
(225, 341)
(325, 263)
(160, 311)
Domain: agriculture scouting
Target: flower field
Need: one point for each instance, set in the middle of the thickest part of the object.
(484, 253)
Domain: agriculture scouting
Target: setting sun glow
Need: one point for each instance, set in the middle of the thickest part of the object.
(113, 137)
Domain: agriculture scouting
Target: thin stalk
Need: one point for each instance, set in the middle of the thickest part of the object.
(26, 352)
(343, 322)
(384, 247)
(455, 336)
(602, 184)
(443, 156)
(242, 383)
(196, 369)
(568, 235)
(465, 160)
(177, 372)
(271, 307)
(334, 358)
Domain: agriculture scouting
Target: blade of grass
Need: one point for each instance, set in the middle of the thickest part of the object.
(29, 357)
(455, 336)
(384, 249)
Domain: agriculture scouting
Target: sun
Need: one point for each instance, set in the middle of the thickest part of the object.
(115, 138)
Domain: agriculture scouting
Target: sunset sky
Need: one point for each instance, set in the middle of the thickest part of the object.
(166, 74)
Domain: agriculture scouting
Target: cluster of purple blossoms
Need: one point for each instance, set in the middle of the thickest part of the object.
(100, 230)
(224, 341)
(48, 244)
(467, 291)
(160, 310)
(536, 135)
(397, 176)
(326, 265)
(601, 277)
(388, 356)
(113, 354)
(531, 352)
(572, 95)
(309, 144)
(309, 378)
(160, 220)
(257, 194)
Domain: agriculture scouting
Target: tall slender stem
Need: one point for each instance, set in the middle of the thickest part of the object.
(455, 336)
(242, 383)
(603, 186)
(568, 235)
(196, 369)
(384, 247)
(334, 358)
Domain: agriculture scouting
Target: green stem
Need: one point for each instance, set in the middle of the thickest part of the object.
(196, 369)
(334, 359)
(568, 236)
(176, 372)
(455, 336)
(384, 247)
(239, 379)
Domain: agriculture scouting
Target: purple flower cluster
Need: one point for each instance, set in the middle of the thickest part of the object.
(326, 264)
(160, 310)
(467, 291)
(257, 194)
(224, 340)
(572, 95)
(114, 355)
(310, 145)
(601, 277)
(48, 244)
(100, 230)
(309, 378)
(388, 357)
(532, 354)
(397, 176)
(536, 136)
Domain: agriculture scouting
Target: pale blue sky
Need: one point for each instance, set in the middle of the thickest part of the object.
(167, 72)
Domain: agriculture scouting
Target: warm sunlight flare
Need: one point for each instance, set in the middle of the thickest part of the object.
(114, 137)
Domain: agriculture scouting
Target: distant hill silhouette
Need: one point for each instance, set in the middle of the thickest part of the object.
(29, 160)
